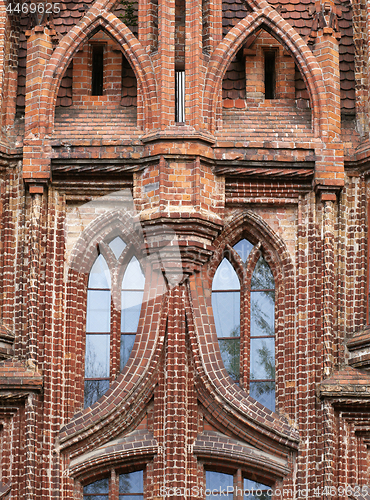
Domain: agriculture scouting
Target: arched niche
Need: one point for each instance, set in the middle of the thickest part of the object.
(98, 92)
(263, 90)
(269, 20)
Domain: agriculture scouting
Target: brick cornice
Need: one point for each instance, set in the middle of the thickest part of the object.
(348, 383)
(136, 446)
(15, 376)
(215, 446)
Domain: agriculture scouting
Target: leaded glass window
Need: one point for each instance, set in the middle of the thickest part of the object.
(132, 297)
(98, 314)
(130, 486)
(256, 491)
(109, 329)
(98, 490)
(219, 482)
(243, 303)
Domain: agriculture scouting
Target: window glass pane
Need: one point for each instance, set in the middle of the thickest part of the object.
(230, 353)
(226, 311)
(127, 343)
(262, 358)
(134, 278)
(262, 313)
(97, 356)
(257, 491)
(130, 312)
(96, 497)
(94, 390)
(99, 275)
(98, 311)
(117, 246)
(221, 483)
(101, 486)
(243, 248)
(131, 497)
(225, 277)
(264, 393)
(262, 276)
(131, 483)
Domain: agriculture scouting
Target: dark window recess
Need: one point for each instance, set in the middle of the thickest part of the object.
(179, 96)
(97, 70)
(270, 75)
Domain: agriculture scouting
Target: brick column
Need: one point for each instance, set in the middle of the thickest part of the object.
(3, 23)
(327, 54)
(148, 24)
(215, 22)
(176, 413)
(328, 451)
(328, 333)
(166, 63)
(193, 59)
(36, 149)
(330, 162)
(34, 274)
(31, 468)
(328, 284)
(39, 50)
(361, 44)
(8, 70)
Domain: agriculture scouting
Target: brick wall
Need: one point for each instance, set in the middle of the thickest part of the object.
(289, 174)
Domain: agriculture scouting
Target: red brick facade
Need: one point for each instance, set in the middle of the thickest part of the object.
(274, 149)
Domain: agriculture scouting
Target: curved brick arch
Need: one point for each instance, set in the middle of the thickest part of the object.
(132, 48)
(215, 389)
(259, 228)
(285, 34)
(129, 393)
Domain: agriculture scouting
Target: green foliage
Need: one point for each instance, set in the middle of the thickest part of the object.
(130, 16)
(266, 359)
(230, 353)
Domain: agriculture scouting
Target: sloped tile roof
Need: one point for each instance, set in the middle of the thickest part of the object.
(296, 12)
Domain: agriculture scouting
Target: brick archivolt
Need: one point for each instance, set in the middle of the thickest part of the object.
(233, 409)
(267, 17)
(264, 15)
(217, 394)
(98, 17)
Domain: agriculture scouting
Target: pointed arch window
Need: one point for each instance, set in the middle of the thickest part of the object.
(132, 298)
(226, 311)
(110, 334)
(98, 315)
(243, 303)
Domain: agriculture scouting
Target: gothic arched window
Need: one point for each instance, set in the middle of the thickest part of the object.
(106, 341)
(243, 303)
